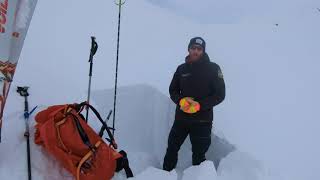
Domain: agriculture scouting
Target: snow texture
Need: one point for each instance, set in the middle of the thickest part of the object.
(205, 170)
(153, 173)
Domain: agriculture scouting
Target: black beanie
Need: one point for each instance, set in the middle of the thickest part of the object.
(198, 41)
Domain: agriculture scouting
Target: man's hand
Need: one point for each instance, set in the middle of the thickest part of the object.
(191, 101)
(184, 108)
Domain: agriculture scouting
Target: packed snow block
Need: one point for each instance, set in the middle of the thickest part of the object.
(241, 166)
(204, 171)
(154, 173)
(140, 161)
(219, 149)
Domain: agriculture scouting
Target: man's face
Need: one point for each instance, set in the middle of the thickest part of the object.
(195, 52)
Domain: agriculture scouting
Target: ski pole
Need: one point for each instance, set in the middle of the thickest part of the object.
(93, 50)
(23, 91)
(119, 4)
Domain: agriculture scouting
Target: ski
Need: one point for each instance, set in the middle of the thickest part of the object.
(15, 18)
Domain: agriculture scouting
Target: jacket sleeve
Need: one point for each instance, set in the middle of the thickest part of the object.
(218, 91)
(174, 88)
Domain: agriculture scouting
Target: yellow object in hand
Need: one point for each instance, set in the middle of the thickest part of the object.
(184, 102)
(188, 107)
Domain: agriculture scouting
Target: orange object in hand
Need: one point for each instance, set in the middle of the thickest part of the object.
(188, 107)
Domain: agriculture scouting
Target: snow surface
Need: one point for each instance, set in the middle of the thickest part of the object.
(205, 170)
(153, 173)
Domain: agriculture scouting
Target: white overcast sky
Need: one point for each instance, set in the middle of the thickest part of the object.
(230, 11)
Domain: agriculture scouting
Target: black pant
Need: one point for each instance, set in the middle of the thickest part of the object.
(200, 137)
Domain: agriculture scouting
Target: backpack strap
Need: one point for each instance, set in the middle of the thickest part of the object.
(123, 163)
(83, 135)
(79, 108)
(85, 159)
(57, 126)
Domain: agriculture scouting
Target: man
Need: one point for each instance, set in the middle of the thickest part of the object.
(197, 86)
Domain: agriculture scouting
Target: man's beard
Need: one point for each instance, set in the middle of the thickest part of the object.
(195, 57)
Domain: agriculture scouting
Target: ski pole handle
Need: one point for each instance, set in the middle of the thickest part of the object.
(93, 50)
(94, 47)
(93, 42)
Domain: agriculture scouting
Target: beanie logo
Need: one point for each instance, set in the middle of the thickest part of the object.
(199, 41)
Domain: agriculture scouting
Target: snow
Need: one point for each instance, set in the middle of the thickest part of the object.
(239, 165)
(153, 173)
(269, 119)
(205, 170)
